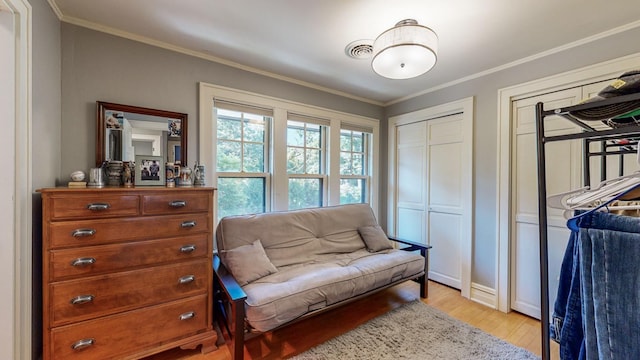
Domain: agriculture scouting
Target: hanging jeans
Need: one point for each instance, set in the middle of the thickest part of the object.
(566, 324)
(596, 314)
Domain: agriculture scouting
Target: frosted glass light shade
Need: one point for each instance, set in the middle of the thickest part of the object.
(405, 51)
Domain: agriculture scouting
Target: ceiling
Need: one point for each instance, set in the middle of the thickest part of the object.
(304, 41)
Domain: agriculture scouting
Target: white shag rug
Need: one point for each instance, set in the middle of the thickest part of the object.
(415, 331)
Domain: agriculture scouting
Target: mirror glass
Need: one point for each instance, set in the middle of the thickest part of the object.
(124, 131)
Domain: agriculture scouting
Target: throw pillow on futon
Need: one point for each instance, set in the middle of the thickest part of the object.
(374, 238)
(248, 263)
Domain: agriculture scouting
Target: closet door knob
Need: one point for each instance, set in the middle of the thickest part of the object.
(98, 206)
(83, 232)
(178, 203)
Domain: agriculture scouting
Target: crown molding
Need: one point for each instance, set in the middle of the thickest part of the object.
(56, 9)
(201, 55)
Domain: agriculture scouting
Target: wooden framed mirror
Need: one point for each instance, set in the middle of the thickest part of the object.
(124, 131)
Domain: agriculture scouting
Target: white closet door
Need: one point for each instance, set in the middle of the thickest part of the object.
(445, 171)
(563, 174)
(411, 180)
(431, 165)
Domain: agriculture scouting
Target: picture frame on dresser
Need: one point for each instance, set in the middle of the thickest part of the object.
(149, 171)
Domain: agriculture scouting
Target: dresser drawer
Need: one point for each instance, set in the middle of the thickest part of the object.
(94, 296)
(113, 337)
(104, 231)
(176, 203)
(95, 260)
(93, 206)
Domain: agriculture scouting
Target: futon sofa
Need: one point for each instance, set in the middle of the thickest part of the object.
(275, 268)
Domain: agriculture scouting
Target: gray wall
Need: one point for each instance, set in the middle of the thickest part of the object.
(485, 90)
(45, 140)
(46, 95)
(98, 66)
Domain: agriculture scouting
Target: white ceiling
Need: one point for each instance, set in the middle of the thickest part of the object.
(304, 40)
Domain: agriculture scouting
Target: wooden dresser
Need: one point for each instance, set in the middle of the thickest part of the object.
(126, 272)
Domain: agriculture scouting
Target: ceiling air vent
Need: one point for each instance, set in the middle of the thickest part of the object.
(359, 49)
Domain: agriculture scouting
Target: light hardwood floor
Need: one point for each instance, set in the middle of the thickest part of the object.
(513, 327)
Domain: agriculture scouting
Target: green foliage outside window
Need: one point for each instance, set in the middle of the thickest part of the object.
(237, 196)
(304, 157)
(305, 193)
(352, 163)
(242, 164)
(241, 140)
(352, 191)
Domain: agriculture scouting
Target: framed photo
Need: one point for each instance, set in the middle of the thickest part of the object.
(149, 170)
(113, 119)
(175, 128)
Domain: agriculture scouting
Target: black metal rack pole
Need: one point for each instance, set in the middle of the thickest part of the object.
(603, 160)
(586, 169)
(542, 226)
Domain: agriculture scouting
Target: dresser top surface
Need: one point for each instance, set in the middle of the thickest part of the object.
(108, 190)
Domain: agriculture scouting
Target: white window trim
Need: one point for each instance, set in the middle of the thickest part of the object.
(279, 200)
(266, 175)
(323, 168)
(366, 160)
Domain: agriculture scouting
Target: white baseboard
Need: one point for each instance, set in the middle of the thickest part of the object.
(484, 295)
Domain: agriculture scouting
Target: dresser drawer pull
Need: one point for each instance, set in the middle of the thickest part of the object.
(188, 315)
(188, 248)
(82, 299)
(98, 206)
(83, 232)
(81, 344)
(188, 224)
(83, 261)
(186, 279)
(178, 203)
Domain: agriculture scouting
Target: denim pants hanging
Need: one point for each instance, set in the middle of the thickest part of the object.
(595, 316)
(566, 321)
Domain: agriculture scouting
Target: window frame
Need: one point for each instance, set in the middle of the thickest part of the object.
(279, 179)
(322, 166)
(366, 161)
(242, 174)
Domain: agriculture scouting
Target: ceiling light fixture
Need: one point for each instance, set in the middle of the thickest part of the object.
(405, 51)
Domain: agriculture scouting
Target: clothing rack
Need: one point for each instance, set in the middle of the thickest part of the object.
(588, 133)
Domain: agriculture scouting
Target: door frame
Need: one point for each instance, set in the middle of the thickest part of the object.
(579, 77)
(21, 233)
(466, 107)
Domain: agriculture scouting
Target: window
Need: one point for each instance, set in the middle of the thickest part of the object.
(242, 157)
(269, 154)
(306, 161)
(354, 166)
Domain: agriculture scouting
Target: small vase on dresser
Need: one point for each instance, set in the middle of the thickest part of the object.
(126, 272)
